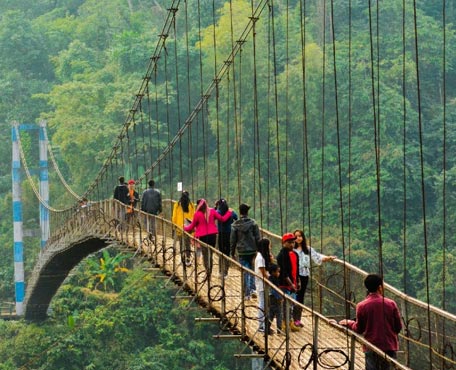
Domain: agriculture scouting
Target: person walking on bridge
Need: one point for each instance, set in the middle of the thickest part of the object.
(133, 198)
(151, 202)
(224, 233)
(206, 230)
(244, 238)
(288, 260)
(121, 194)
(379, 320)
(183, 212)
(306, 253)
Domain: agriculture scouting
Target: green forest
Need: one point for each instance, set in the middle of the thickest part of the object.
(78, 65)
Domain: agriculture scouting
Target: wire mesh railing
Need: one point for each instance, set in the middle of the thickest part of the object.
(428, 334)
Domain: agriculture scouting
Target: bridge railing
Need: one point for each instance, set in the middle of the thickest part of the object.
(429, 333)
(333, 294)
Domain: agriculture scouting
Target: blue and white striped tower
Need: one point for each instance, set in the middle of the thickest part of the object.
(17, 220)
(44, 184)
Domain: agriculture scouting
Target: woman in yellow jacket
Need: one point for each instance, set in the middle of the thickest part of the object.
(183, 212)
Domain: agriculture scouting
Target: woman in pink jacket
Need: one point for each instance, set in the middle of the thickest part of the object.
(206, 230)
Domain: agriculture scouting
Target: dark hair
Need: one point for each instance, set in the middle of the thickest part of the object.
(121, 179)
(184, 201)
(222, 206)
(304, 241)
(273, 268)
(264, 248)
(151, 183)
(244, 209)
(372, 282)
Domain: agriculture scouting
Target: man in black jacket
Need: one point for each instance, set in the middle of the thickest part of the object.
(151, 202)
(121, 194)
(245, 235)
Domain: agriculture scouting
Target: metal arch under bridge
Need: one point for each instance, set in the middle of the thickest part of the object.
(319, 345)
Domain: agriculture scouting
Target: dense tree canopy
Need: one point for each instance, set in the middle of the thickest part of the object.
(78, 64)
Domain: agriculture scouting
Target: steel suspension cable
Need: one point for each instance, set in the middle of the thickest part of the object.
(56, 167)
(236, 109)
(423, 189)
(29, 176)
(168, 125)
(151, 67)
(256, 122)
(404, 171)
(268, 189)
(217, 95)
(376, 140)
(287, 118)
(276, 104)
(339, 152)
(179, 119)
(444, 190)
(189, 138)
(157, 121)
(323, 128)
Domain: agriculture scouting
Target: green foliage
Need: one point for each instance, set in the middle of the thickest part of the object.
(78, 65)
(105, 270)
(140, 328)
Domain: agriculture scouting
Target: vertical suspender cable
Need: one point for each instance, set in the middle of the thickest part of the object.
(168, 123)
(268, 189)
(444, 155)
(339, 155)
(157, 124)
(323, 127)
(236, 112)
(350, 136)
(423, 190)
(404, 171)
(189, 137)
(276, 96)
(256, 121)
(376, 141)
(200, 55)
(239, 128)
(179, 119)
(287, 123)
(217, 95)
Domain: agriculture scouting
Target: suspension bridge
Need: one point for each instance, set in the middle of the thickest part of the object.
(253, 123)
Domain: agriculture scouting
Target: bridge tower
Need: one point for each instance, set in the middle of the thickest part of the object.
(17, 203)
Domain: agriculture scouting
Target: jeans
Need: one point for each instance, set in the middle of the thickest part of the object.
(210, 239)
(275, 311)
(375, 362)
(224, 247)
(261, 310)
(297, 311)
(249, 279)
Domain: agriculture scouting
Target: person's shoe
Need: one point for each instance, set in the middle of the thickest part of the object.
(247, 298)
(271, 332)
(261, 330)
(293, 327)
(299, 324)
(253, 294)
(188, 262)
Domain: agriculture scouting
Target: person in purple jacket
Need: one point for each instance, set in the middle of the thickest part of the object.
(379, 320)
(206, 230)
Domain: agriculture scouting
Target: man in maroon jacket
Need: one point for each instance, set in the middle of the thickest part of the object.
(379, 320)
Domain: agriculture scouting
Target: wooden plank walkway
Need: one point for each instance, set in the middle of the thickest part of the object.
(319, 345)
(237, 318)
